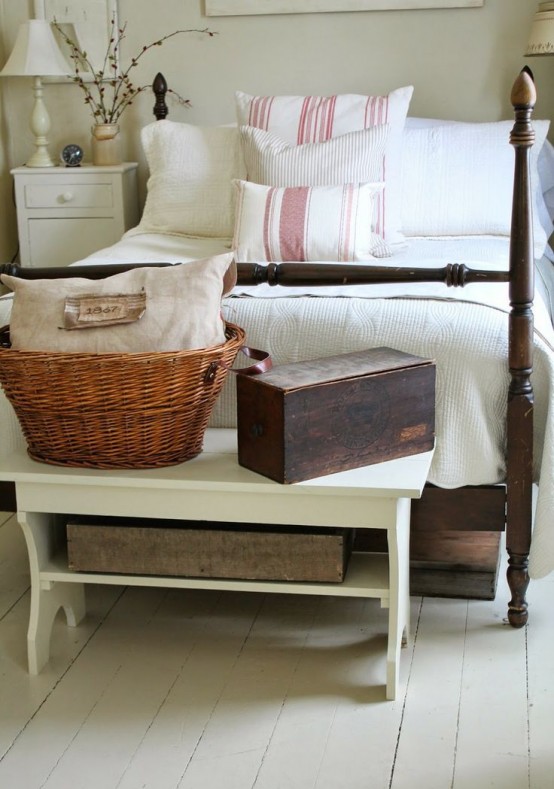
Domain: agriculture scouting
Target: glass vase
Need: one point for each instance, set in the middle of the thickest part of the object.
(106, 144)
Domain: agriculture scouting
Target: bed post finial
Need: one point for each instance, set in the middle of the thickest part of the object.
(159, 86)
(524, 93)
(520, 394)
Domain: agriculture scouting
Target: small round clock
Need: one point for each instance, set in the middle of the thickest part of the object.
(72, 155)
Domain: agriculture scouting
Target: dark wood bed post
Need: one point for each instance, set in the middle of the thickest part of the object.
(520, 395)
(159, 88)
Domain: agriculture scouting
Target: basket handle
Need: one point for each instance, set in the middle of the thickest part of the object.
(264, 363)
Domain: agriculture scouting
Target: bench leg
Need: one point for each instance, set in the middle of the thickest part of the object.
(399, 586)
(45, 604)
(42, 536)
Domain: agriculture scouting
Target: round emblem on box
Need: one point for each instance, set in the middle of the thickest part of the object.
(72, 155)
(361, 415)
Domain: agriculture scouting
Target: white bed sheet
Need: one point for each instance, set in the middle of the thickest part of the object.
(464, 330)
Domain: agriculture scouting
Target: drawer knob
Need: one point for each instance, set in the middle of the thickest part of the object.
(67, 197)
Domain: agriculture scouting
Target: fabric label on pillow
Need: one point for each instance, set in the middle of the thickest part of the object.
(303, 223)
(88, 310)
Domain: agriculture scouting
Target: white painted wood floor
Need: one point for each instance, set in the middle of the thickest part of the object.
(209, 690)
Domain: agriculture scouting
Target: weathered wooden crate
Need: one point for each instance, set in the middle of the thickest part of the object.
(311, 418)
(214, 550)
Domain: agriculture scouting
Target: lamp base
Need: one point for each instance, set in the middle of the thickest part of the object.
(40, 126)
(40, 158)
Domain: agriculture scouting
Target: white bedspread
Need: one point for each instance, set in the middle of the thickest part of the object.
(465, 331)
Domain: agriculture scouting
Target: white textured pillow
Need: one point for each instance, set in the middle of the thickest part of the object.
(457, 179)
(190, 189)
(303, 119)
(306, 223)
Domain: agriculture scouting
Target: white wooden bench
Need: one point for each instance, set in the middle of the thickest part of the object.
(213, 487)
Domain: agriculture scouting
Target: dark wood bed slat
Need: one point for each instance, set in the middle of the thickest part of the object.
(303, 274)
(289, 274)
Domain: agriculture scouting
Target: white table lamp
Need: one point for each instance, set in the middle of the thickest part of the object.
(541, 37)
(36, 54)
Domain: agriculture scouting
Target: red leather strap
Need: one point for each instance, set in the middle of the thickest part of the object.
(264, 363)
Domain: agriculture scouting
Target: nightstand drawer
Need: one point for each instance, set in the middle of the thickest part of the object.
(70, 195)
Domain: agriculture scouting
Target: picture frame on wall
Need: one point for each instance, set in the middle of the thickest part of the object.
(246, 7)
(87, 21)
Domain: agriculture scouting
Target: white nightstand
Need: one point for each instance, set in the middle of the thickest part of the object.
(66, 213)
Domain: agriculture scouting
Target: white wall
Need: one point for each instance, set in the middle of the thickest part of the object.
(462, 63)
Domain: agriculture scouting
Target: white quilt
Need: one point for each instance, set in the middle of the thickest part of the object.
(465, 331)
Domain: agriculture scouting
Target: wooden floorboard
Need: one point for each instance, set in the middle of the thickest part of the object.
(540, 643)
(192, 689)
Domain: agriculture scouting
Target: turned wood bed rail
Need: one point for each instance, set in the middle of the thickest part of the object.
(289, 274)
(520, 277)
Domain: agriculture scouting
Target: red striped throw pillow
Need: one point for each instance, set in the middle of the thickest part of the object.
(306, 223)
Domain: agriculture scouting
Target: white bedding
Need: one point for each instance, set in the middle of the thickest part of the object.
(464, 330)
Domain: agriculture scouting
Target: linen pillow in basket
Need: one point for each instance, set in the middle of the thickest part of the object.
(182, 309)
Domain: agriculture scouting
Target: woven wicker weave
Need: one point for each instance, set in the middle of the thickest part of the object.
(135, 410)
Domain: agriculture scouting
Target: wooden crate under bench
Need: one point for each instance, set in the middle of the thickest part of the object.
(208, 550)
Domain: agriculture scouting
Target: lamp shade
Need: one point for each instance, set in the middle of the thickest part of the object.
(541, 37)
(35, 53)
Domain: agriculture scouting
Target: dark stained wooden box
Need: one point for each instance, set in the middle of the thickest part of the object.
(208, 550)
(311, 418)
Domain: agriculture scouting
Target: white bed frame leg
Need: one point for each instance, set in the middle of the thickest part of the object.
(46, 597)
(399, 583)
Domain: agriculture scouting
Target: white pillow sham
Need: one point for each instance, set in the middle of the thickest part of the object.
(457, 179)
(190, 190)
(306, 223)
(310, 119)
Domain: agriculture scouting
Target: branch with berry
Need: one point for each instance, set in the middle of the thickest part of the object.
(111, 91)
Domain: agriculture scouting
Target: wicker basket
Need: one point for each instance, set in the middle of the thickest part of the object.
(130, 410)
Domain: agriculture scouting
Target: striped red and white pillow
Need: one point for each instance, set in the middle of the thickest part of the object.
(306, 223)
(304, 119)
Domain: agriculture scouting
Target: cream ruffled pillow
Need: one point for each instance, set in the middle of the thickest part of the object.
(146, 309)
